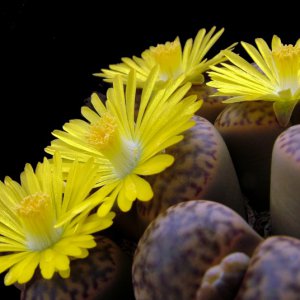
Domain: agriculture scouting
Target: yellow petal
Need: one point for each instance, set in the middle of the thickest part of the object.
(276, 42)
(6, 261)
(146, 93)
(61, 261)
(22, 271)
(130, 99)
(98, 105)
(46, 265)
(89, 114)
(144, 190)
(29, 265)
(29, 180)
(155, 164)
(87, 244)
(96, 198)
(67, 248)
(84, 253)
(64, 273)
(123, 202)
(105, 207)
(129, 188)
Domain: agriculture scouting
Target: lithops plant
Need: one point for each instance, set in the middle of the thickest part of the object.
(285, 183)
(181, 244)
(223, 280)
(249, 130)
(202, 170)
(272, 76)
(274, 271)
(105, 274)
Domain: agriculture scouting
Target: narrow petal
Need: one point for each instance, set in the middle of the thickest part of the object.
(155, 164)
(144, 190)
(23, 271)
(146, 94)
(64, 273)
(98, 105)
(123, 202)
(93, 223)
(29, 180)
(105, 207)
(89, 114)
(6, 261)
(67, 248)
(276, 42)
(130, 188)
(46, 263)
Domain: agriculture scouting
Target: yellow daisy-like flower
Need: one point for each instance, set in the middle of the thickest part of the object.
(29, 235)
(128, 145)
(276, 79)
(172, 61)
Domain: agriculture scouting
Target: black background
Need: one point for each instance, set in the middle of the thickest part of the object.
(50, 49)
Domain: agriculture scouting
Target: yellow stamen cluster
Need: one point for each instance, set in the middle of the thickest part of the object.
(286, 52)
(168, 57)
(33, 205)
(102, 133)
(287, 60)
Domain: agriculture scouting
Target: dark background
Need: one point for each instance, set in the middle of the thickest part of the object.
(50, 50)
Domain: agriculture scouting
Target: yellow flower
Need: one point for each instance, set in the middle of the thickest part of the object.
(29, 235)
(172, 60)
(276, 79)
(128, 145)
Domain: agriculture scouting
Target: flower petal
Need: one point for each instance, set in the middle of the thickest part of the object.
(46, 264)
(93, 223)
(129, 188)
(23, 271)
(64, 273)
(6, 261)
(155, 164)
(123, 202)
(105, 207)
(144, 190)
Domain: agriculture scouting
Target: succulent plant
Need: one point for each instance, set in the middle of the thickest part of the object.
(285, 175)
(274, 271)
(197, 173)
(249, 130)
(182, 243)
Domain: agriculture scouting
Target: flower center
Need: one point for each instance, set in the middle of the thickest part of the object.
(102, 133)
(32, 205)
(38, 218)
(168, 56)
(287, 52)
(122, 153)
(287, 60)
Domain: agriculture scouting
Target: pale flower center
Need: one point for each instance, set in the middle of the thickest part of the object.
(287, 60)
(168, 56)
(38, 219)
(122, 153)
